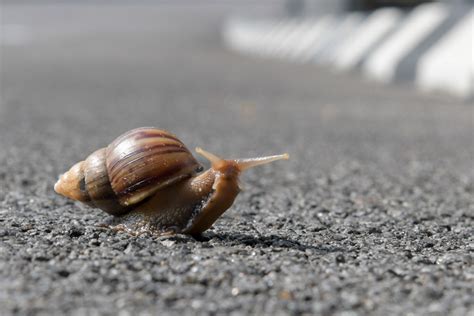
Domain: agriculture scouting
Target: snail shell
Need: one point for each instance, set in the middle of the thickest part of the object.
(148, 180)
(132, 168)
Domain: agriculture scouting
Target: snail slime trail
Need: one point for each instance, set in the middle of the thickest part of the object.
(150, 182)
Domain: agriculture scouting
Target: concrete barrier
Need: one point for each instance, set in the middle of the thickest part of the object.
(326, 50)
(288, 43)
(382, 63)
(303, 49)
(448, 65)
(276, 45)
(370, 33)
(432, 45)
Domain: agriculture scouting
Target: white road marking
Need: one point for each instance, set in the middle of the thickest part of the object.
(373, 30)
(382, 63)
(448, 65)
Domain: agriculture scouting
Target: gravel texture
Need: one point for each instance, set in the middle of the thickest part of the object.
(373, 213)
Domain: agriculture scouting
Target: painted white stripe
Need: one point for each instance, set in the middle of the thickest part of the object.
(381, 64)
(257, 34)
(260, 32)
(232, 34)
(273, 37)
(243, 35)
(325, 52)
(279, 42)
(304, 51)
(271, 28)
(288, 43)
(372, 31)
(448, 65)
(302, 47)
(346, 41)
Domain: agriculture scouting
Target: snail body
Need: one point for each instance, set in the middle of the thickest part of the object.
(150, 182)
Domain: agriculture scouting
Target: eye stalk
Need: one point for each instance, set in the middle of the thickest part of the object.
(218, 163)
(248, 163)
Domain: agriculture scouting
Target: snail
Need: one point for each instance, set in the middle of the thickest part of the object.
(150, 182)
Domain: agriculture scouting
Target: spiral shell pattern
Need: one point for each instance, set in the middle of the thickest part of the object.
(97, 184)
(144, 160)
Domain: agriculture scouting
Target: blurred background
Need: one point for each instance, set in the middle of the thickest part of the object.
(425, 43)
(316, 6)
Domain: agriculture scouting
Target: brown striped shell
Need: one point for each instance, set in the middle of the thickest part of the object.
(134, 166)
(143, 160)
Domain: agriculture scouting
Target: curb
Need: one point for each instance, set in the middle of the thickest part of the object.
(431, 46)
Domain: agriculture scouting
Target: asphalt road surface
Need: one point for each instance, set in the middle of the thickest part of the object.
(373, 213)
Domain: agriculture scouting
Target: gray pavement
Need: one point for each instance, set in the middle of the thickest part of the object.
(373, 213)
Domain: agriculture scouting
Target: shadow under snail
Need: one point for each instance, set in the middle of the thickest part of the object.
(150, 182)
